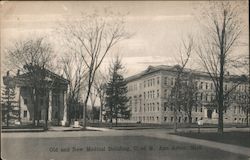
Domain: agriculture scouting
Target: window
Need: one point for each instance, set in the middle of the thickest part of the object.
(25, 101)
(206, 86)
(171, 107)
(165, 93)
(179, 119)
(172, 81)
(158, 80)
(201, 109)
(166, 80)
(165, 119)
(165, 106)
(196, 96)
(201, 85)
(211, 86)
(25, 114)
(158, 93)
(172, 118)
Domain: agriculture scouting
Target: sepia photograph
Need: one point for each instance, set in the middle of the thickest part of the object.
(125, 80)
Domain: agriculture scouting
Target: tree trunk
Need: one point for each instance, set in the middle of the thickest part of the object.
(220, 125)
(100, 115)
(34, 107)
(59, 111)
(247, 116)
(116, 121)
(189, 119)
(8, 108)
(175, 120)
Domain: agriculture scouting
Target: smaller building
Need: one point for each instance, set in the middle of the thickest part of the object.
(41, 99)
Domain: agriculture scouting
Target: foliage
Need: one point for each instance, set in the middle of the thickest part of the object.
(116, 90)
(10, 109)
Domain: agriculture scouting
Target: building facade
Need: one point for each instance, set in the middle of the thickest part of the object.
(149, 93)
(49, 100)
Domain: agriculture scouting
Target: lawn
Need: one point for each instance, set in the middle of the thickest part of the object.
(235, 138)
(109, 148)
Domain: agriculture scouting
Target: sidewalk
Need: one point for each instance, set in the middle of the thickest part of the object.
(22, 130)
(61, 128)
(222, 146)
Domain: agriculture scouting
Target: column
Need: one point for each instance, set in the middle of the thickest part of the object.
(64, 106)
(18, 99)
(50, 106)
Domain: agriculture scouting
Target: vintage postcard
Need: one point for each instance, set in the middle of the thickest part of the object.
(139, 80)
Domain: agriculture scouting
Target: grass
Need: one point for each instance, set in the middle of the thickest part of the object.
(166, 126)
(234, 137)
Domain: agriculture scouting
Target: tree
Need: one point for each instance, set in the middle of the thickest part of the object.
(116, 93)
(100, 86)
(222, 29)
(176, 96)
(92, 37)
(75, 72)
(10, 109)
(33, 56)
(190, 95)
(93, 97)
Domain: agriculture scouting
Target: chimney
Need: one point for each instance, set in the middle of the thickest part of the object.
(8, 73)
(18, 72)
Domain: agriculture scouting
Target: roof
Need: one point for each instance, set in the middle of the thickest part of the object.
(153, 69)
(49, 75)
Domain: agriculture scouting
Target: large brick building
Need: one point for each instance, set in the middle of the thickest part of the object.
(149, 91)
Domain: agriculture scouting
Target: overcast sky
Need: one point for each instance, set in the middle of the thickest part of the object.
(157, 27)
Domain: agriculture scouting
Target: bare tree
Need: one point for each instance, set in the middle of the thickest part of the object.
(100, 85)
(93, 98)
(176, 98)
(75, 71)
(92, 37)
(32, 56)
(222, 28)
(191, 98)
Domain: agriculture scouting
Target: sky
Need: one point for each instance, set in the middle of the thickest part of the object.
(157, 27)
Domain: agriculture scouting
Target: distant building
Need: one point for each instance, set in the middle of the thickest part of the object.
(50, 102)
(149, 91)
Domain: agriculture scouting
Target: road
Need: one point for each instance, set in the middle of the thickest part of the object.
(110, 145)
